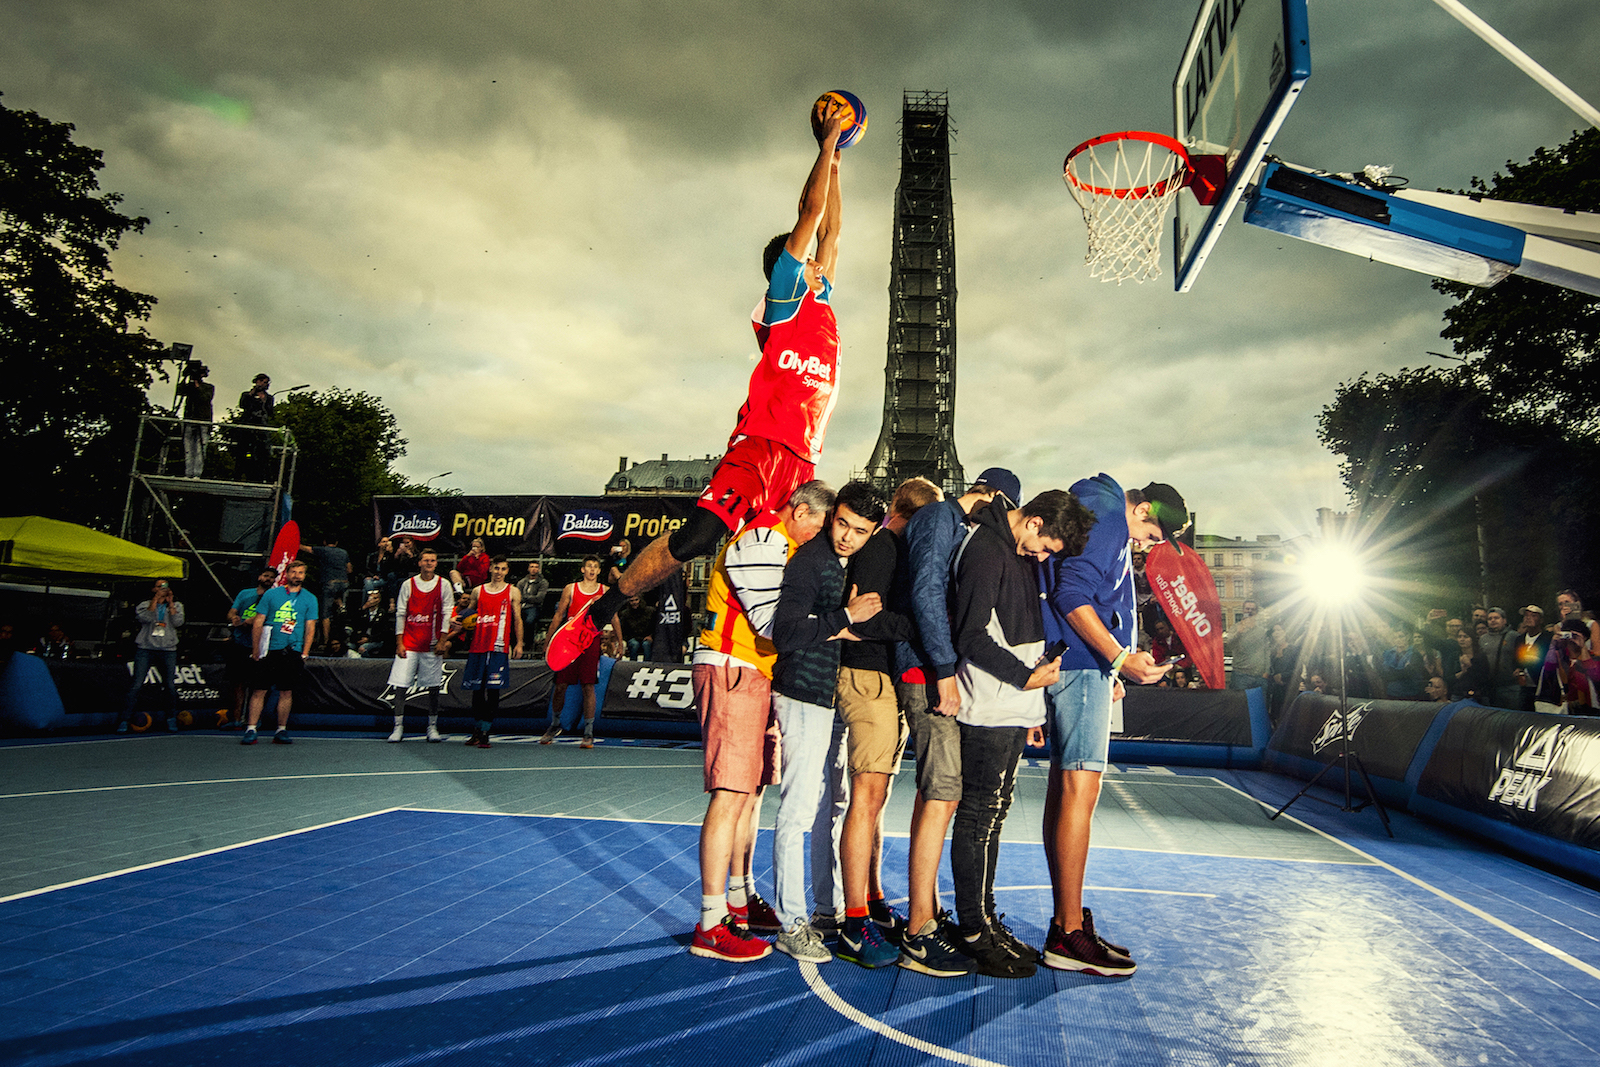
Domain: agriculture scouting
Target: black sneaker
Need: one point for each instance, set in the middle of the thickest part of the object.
(282, 738)
(994, 957)
(1088, 928)
(930, 952)
(891, 921)
(1003, 933)
(474, 738)
(1077, 951)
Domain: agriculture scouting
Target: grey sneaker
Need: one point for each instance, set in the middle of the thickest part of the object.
(803, 943)
(550, 734)
(825, 922)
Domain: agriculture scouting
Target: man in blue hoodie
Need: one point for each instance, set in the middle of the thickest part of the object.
(1090, 606)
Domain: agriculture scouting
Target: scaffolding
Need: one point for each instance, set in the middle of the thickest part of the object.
(918, 433)
(211, 493)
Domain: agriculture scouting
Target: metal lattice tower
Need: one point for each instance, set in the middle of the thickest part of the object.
(919, 398)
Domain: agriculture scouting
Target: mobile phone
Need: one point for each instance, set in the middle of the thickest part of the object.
(1169, 662)
(1055, 650)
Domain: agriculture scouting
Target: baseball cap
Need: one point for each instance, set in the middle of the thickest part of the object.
(1536, 609)
(1003, 480)
(1168, 509)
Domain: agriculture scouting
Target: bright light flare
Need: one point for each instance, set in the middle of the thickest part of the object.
(1333, 575)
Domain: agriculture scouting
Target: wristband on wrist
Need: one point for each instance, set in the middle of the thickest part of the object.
(1122, 657)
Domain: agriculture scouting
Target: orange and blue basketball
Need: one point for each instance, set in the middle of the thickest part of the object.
(855, 123)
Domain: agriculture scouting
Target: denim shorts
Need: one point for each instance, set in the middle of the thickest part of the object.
(1080, 720)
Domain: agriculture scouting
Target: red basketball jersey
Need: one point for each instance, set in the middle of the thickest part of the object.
(494, 620)
(580, 599)
(424, 609)
(793, 388)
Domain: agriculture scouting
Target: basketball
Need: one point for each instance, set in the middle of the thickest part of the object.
(855, 123)
(185, 720)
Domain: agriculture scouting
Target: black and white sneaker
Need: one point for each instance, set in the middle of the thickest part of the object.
(1003, 933)
(1077, 951)
(1088, 928)
(994, 957)
(930, 952)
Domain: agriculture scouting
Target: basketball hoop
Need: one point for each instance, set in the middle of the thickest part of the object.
(1125, 182)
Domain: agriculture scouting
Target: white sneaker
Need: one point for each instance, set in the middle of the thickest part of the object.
(399, 733)
(803, 943)
(433, 734)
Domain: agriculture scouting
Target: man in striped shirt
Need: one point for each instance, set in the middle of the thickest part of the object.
(733, 690)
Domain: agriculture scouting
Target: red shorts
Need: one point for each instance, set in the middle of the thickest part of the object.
(585, 670)
(737, 726)
(755, 475)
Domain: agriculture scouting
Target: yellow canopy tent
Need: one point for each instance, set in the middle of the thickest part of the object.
(34, 543)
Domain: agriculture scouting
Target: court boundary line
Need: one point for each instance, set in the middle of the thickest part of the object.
(825, 993)
(331, 775)
(1471, 909)
(191, 856)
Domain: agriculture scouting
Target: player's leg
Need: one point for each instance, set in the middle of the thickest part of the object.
(588, 716)
(1079, 705)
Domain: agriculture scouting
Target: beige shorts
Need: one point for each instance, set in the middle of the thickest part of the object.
(867, 704)
(737, 726)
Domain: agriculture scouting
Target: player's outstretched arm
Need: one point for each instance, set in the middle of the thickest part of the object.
(814, 197)
(828, 231)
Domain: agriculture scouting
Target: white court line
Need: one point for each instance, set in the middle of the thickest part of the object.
(1523, 935)
(339, 774)
(550, 815)
(825, 993)
(1108, 889)
(192, 856)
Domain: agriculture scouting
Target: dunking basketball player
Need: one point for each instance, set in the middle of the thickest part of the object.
(777, 440)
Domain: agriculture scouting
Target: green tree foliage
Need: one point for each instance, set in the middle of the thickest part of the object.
(1510, 435)
(347, 441)
(1535, 347)
(74, 361)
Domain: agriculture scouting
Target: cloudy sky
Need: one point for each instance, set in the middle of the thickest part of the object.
(533, 228)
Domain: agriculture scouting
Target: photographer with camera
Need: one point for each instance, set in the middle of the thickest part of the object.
(156, 645)
(197, 395)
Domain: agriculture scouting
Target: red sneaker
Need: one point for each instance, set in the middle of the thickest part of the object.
(757, 914)
(725, 941)
(570, 641)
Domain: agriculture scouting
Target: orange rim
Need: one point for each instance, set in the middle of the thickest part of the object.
(1137, 192)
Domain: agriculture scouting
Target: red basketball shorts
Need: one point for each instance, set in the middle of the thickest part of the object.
(755, 475)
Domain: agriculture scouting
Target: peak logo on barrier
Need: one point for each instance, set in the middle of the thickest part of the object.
(1532, 768)
(418, 524)
(1329, 734)
(586, 524)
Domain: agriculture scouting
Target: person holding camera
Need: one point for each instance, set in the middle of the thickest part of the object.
(197, 395)
(255, 409)
(156, 645)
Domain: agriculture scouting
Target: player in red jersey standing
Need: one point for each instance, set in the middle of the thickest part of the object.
(422, 617)
(585, 670)
(777, 439)
(499, 608)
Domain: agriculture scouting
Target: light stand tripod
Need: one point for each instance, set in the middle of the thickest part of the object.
(1347, 754)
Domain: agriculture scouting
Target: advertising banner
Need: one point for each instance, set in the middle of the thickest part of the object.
(1385, 733)
(657, 692)
(1216, 716)
(1183, 586)
(525, 526)
(1537, 772)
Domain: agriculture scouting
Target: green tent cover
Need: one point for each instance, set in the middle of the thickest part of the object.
(49, 545)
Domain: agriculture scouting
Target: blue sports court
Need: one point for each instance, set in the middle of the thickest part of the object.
(178, 900)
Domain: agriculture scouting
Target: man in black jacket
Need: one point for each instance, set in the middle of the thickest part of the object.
(999, 631)
(813, 616)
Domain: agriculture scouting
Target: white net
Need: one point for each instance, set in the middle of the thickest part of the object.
(1125, 183)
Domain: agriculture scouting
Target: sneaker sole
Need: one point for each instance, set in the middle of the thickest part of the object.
(859, 961)
(912, 964)
(1067, 963)
(826, 957)
(713, 954)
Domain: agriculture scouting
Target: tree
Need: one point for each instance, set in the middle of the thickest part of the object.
(347, 441)
(1535, 346)
(74, 361)
(1508, 440)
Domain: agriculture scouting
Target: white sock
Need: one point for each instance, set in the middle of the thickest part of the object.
(712, 910)
(738, 897)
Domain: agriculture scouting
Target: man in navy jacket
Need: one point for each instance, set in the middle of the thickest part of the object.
(1090, 605)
